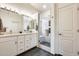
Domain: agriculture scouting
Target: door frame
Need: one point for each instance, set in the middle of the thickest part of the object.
(52, 17)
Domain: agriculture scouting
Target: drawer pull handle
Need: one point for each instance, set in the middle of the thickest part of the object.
(15, 42)
(21, 49)
(60, 34)
(21, 42)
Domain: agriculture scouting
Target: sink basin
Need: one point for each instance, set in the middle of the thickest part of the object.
(1, 34)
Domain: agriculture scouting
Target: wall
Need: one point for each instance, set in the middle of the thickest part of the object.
(60, 5)
(45, 14)
(53, 26)
(11, 20)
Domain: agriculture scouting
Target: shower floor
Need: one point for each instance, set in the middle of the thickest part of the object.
(45, 43)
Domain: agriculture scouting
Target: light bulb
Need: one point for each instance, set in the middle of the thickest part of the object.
(44, 6)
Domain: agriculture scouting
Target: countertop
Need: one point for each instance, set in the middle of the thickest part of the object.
(16, 34)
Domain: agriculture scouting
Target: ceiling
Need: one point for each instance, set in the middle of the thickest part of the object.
(30, 8)
(24, 6)
(39, 6)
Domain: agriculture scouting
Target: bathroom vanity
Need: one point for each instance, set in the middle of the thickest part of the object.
(14, 44)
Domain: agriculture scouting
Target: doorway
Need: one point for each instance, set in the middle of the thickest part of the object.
(45, 31)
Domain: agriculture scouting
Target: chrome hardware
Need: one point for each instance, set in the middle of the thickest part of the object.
(15, 42)
(78, 53)
(59, 34)
(21, 42)
(21, 49)
(78, 30)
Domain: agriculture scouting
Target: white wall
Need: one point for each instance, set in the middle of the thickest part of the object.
(60, 5)
(45, 14)
(11, 20)
(52, 14)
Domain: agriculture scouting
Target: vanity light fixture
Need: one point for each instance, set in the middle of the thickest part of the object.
(2, 6)
(8, 8)
(44, 6)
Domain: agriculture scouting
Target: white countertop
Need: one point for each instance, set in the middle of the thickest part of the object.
(16, 34)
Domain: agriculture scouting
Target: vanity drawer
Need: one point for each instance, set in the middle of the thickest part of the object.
(5, 39)
(27, 47)
(27, 37)
(20, 37)
(20, 45)
(27, 44)
(20, 50)
(20, 42)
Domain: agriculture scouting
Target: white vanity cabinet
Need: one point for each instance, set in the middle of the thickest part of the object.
(8, 46)
(34, 41)
(30, 41)
(15, 44)
(20, 44)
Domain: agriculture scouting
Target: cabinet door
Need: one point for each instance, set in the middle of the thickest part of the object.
(27, 42)
(34, 40)
(9, 47)
(20, 44)
(13, 46)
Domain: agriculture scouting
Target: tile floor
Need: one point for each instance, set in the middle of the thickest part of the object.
(37, 52)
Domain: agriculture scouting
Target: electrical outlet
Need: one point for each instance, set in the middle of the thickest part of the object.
(78, 53)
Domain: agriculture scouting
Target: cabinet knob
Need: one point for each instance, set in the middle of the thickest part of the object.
(21, 49)
(60, 34)
(78, 30)
(16, 42)
(21, 42)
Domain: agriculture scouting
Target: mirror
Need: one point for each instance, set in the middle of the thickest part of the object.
(14, 22)
(30, 24)
(1, 27)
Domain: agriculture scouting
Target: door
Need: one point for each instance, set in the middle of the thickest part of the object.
(8, 47)
(67, 28)
(12, 46)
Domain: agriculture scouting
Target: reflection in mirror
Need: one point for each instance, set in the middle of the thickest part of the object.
(1, 26)
(13, 22)
(29, 24)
